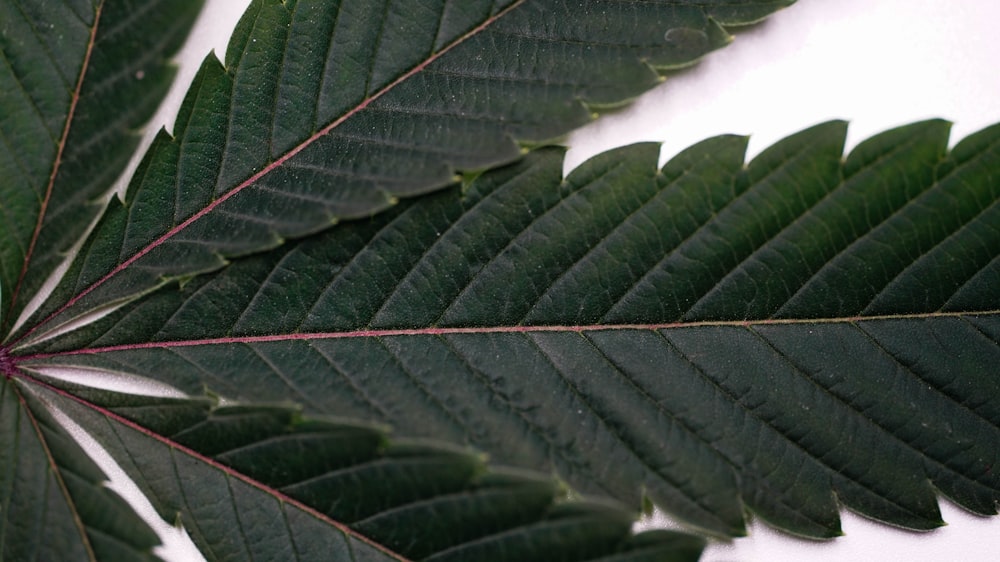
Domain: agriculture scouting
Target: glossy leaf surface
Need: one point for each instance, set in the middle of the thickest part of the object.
(783, 335)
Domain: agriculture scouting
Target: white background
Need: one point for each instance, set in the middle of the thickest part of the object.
(875, 64)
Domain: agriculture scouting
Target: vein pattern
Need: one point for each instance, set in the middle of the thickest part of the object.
(326, 110)
(77, 80)
(628, 326)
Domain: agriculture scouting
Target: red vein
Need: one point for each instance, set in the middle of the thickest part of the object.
(488, 330)
(57, 474)
(277, 163)
(59, 154)
(278, 495)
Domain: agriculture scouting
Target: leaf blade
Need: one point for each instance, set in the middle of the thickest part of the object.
(408, 113)
(427, 501)
(670, 368)
(69, 515)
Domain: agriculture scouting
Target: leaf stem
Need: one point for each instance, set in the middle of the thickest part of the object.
(8, 367)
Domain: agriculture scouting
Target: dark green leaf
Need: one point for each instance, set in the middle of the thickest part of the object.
(323, 110)
(784, 335)
(265, 482)
(327, 110)
(53, 505)
(76, 80)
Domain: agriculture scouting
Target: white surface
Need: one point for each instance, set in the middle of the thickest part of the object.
(876, 64)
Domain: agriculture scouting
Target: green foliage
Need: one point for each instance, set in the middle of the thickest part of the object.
(682, 316)
(779, 337)
(55, 507)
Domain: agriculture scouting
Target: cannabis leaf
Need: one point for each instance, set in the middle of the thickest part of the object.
(780, 335)
(71, 94)
(323, 111)
(77, 81)
(255, 482)
(52, 489)
(330, 110)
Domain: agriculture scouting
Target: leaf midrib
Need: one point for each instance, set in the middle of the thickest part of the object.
(271, 166)
(485, 330)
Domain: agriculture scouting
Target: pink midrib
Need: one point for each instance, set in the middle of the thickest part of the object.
(486, 330)
(271, 167)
